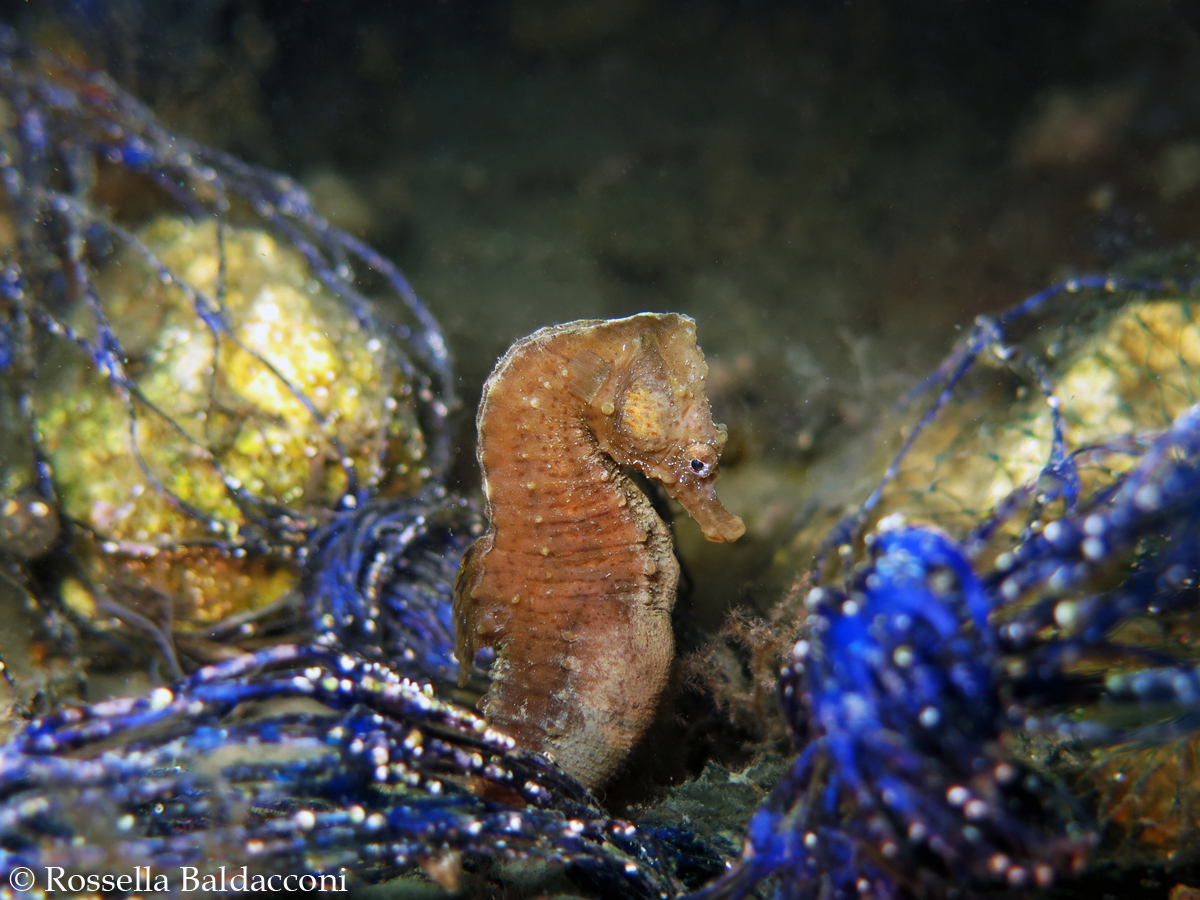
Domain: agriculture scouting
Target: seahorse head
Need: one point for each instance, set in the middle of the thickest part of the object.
(651, 412)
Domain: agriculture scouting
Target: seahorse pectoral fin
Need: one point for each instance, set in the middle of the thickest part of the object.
(699, 498)
(587, 373)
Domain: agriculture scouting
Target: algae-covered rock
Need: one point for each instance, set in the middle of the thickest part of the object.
(1133, 375)
(1116, 374)
(250, 393)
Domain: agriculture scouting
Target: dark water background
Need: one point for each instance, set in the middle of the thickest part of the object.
(829, 187)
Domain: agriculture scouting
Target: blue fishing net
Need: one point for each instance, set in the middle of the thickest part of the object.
(998, 642)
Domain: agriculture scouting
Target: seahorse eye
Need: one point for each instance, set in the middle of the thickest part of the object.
(701, 459)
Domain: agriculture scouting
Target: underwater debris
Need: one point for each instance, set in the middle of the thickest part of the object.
(575, 580)
(157, 523)
(902, 786)
(379, 580)
(205, 369)
(940, 636)
(1130, 372)
(380, 778)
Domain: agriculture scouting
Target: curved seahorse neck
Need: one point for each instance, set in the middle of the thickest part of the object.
(533, 433)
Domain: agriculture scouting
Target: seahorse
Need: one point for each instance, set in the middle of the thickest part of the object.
(574, 581)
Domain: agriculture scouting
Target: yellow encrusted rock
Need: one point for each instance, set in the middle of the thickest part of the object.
(279, 405)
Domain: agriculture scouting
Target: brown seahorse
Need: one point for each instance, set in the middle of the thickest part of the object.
(575, 579)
